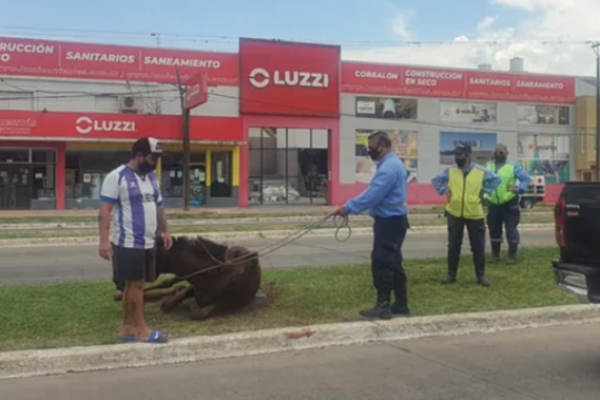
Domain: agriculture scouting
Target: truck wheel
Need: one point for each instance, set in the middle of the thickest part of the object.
(527, 203)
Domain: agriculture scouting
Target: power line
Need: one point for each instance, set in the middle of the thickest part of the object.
(178, 37)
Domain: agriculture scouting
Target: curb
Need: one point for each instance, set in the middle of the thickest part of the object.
(245, 235)
(22, 364)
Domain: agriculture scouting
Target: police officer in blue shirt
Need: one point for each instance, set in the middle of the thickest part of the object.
(385, 198)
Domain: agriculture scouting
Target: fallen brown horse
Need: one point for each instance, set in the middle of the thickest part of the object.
(219, 289)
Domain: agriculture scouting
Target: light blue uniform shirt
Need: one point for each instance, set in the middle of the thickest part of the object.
(490, 180)
(386, 194)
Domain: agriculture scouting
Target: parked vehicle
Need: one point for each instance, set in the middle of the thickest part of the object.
(577, 232)
(535, 192)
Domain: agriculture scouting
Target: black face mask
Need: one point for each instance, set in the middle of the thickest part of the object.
(461, 162)
(500, 158)
(374, 154)
(146, 167)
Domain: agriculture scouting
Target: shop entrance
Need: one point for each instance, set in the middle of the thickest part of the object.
(288, 166)
(16, 190)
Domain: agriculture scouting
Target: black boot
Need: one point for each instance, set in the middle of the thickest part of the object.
(400, 306)
(496, 251)
(382, 309)
(512, 253)
(450, 279)
(482, 280)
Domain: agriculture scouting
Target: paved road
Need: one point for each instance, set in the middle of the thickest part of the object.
(549, 364)
(68, 263)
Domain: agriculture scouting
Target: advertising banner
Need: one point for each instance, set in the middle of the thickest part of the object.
(546, 155)
(285, 78)
(482, 146)
(54, 59)
(399, 80)
(467, 112)
(386, 107)
(528, 114)
(404, 144)
(85, 126)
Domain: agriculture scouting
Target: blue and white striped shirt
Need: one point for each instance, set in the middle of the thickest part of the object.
(136, 199)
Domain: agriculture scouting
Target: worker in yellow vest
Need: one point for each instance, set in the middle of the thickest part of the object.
(503, 203)
(465, 185)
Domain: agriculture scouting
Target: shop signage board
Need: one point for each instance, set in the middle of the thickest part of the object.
(57, 59)
(86, 126)
(289, 78)
(398, 80)
(196, 90)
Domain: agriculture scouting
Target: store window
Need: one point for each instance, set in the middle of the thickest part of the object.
(547, 156)
(288, 166)
(26, 176)
(86, 171)
(172, 176)
(222, 174)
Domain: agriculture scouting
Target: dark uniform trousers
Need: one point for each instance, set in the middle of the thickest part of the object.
(386, 257)
(476, 232)
(509, 215)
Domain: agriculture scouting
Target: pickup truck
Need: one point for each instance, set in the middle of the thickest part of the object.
(577, 233)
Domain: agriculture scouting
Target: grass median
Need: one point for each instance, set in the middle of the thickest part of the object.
(202, 214)
(73, 314)
(182, 230)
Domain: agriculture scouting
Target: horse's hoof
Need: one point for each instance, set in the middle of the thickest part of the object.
(167, 306)
(201, 314)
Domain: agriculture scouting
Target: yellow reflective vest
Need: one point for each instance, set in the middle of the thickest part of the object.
(503, 194)
(466, 192)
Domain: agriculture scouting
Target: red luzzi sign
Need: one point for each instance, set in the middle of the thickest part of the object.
(82, 126)
(283, 78)
(196, 91)
(365, 78)
(53, 59)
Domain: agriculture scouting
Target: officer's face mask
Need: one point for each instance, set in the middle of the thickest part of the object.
(461, 161)
(500, 157)
(374, 153)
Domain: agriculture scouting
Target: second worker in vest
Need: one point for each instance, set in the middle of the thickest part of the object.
(465, 184)
(503, 203)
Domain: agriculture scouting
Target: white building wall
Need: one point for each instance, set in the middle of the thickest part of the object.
(429, 127)
(85, 96)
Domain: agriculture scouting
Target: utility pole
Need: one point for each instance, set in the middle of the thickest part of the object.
(596, 48)
(186, 144)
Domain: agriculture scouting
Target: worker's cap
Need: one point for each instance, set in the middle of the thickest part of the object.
(146, 146)
(462, 149)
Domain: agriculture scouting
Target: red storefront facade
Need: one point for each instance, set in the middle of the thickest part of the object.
(301, 114)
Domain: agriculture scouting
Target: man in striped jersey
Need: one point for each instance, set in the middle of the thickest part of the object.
(132, 201)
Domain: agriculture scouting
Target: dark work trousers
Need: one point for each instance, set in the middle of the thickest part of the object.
(509, 215)
(476, 231)
(386, 257)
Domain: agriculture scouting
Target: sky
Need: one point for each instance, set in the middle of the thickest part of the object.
(550, 35)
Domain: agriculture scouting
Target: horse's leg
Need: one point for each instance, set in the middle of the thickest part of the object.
(167, 283)
(198, 313)
(155, 295)
(173, 301)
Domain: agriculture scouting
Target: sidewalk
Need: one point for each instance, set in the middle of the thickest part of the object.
(254, 210)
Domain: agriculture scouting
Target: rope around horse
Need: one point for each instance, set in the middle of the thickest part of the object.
(277, 245)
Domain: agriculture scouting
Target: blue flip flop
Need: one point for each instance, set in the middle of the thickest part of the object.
(127, 338)
(157, 337)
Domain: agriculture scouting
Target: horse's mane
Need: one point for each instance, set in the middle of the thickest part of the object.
(197, 246)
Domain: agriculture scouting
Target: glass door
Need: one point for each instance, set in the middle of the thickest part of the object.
(16, 188)
(197, 185)
(5, 185)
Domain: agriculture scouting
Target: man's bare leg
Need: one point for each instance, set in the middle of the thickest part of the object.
(129, 328)
(135, 306)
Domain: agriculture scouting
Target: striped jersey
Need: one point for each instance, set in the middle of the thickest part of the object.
(136, 199)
